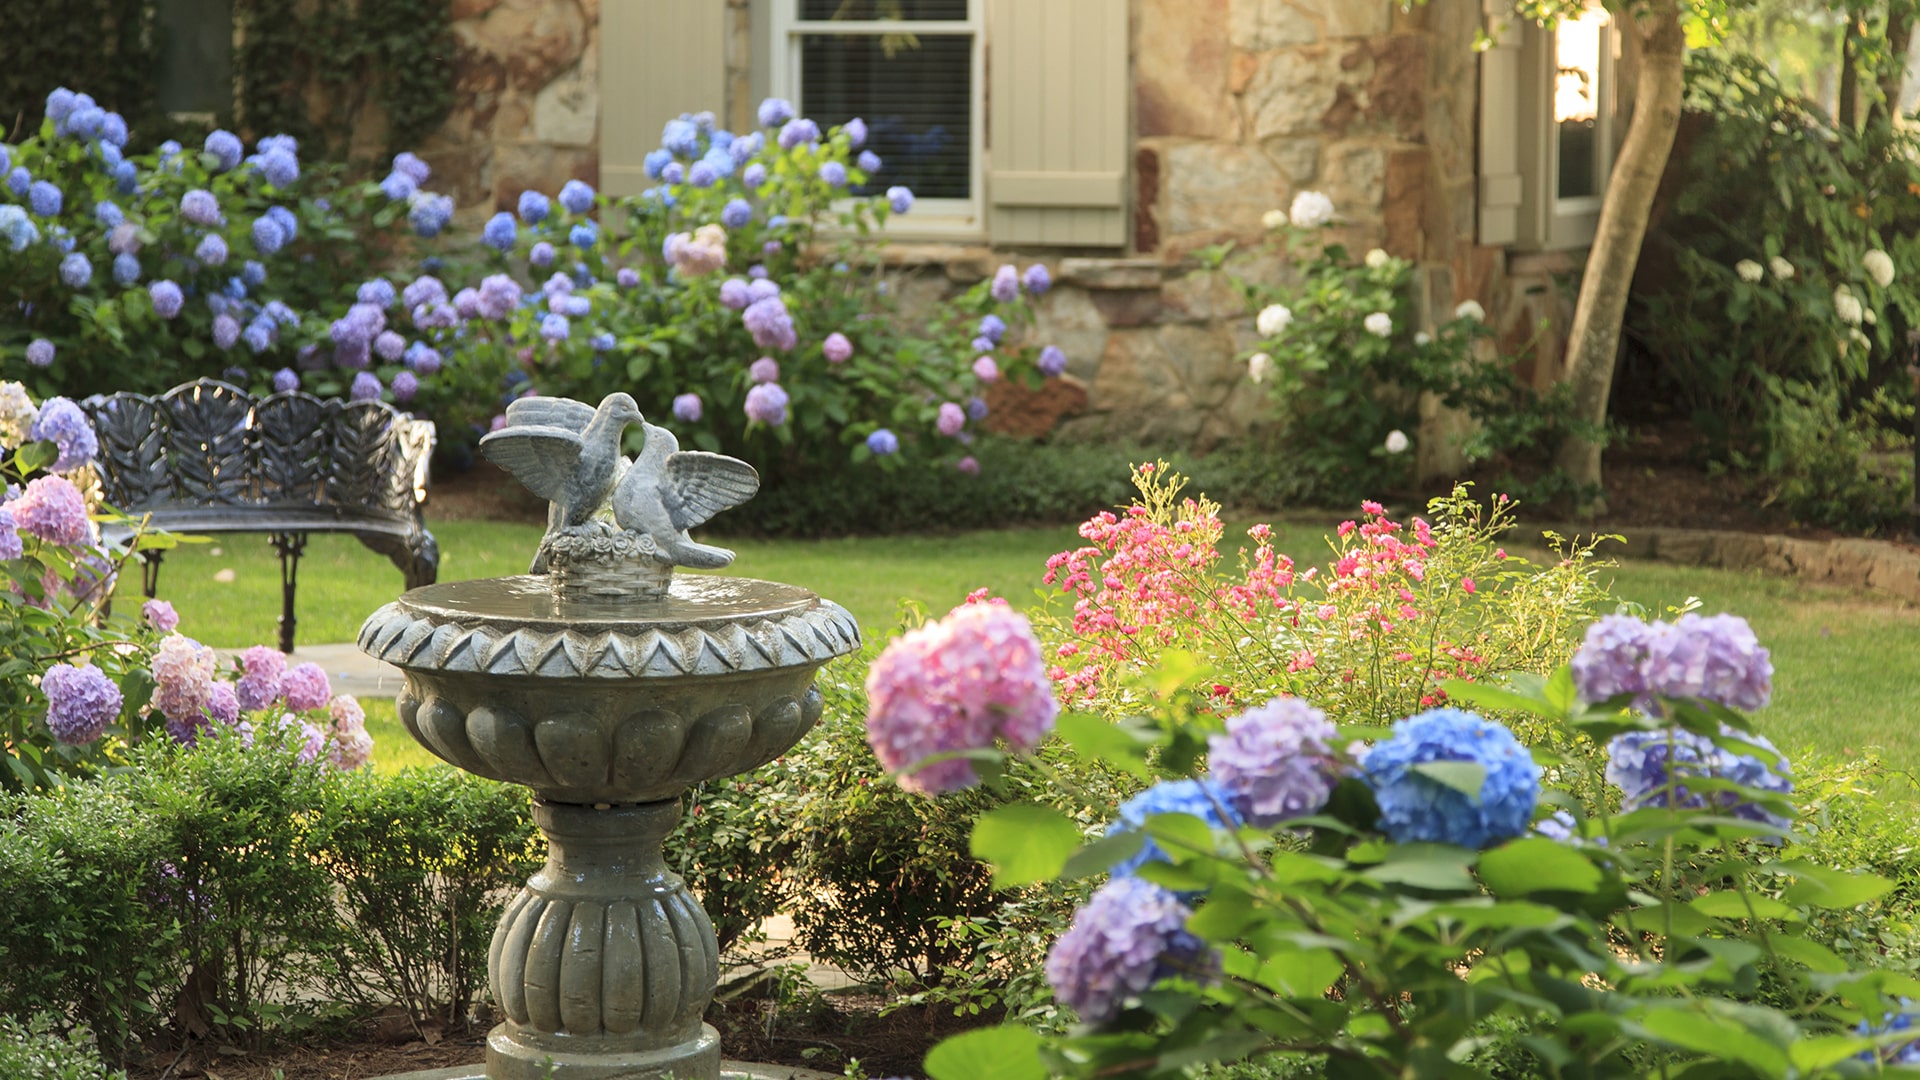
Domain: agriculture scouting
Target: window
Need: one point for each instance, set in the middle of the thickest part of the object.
(1547, 130)
(195, 43)
(914, 70)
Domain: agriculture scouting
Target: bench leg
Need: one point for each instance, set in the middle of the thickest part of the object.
(289, 545)
(150, 572)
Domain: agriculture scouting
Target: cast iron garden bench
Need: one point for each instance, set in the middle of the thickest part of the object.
(208, 457)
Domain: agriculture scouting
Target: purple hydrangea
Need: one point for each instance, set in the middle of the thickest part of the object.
(160, 615)
(280, 167)
(76, 270)
(976, 409)
(1129, 935)
(901, 199)
(183, 676)
(398, 187)
(703, 175)
(1714, 658)
(754, 175)
(764, 370)
(969, 465)
(627, 277)
(264, 670)
(856, 130)
(868, 161)
(734, 294)
(541, 254)
(688, 408)
(834, 174)
(200, 207)
(64, 424)
(376, 291)
(408, 164)
(837, 348)
(1274, 761)
(81, 702)
(425, 289)
(40, 352)
(11, 546)
(390, 346)
(673, 174)
(775, 111)
(52, 509)
(285, 381)
(951, 420)
(736, 213)
(423, 359)
(993, 327)
(1416, 807)
(1037, 279)
(1006, 286)
(680, 137)
(500, 232)
(44, 199)
(576, 197)
(534, 207)
(1612, 661)
(226, 331)
(428, 213)
(770, 324)
(499, 295)
(212, 250)
(167, 298)
(883, 442)
(1052, 362)
(226, 149)
(1651, 768)
(405, 385)
(767, 404)
(366, 387)
(1206, 800)
(555, 327)
(306, 688)
(223, 704)
(797, 131)
(982, 345)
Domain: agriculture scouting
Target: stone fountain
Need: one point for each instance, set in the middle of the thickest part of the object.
(608, 686)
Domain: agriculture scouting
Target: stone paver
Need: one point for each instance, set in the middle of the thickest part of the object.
(349, 670)
(729, 1070)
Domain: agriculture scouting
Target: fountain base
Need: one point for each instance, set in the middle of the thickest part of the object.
(509, 1059)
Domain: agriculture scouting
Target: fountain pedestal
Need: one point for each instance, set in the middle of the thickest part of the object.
(609, 708)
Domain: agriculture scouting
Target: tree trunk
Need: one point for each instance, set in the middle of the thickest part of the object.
(1847, 116)
(1595, 339)
(1893, 79)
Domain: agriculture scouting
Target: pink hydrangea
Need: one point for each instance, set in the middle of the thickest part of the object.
(349, 748)
(52, 509)
(223, 704)
(954, 685)
(160, 615)
(952, 419)
(837, 348)
(985, 369)
(306, 688)
(346, 712)
(183, 677)
(260, 686)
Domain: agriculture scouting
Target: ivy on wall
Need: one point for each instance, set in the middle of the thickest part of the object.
(315, 70)
(104, 47)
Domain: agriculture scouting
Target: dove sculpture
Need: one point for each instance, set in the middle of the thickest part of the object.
(668, 491)
(567, 453)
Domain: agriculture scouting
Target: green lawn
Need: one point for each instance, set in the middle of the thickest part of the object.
(1848, 663)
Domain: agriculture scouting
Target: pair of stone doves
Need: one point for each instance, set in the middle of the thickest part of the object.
(568, 453)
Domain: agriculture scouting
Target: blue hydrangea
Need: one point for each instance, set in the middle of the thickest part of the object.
(1415, 807)
(834, 174)
(285, 381)
(280, 313)
(1052, 362)
(110, 156)
(59, 103)
(743, 149)
(60, 238)
(575, 307)
(113, 130)
(398, 186)
(108, 214)
(555, 327)
(253, 273)
(736, 213)
(583, 235)
(76, 270)
(226, 331)
(268, 237)
(408, 164)
(226, 149)
(868, 161)
(65, 425)
(1903, 1053)
(993, 328)
(534, 207)
(126, 269)
(603, 342)
(280, 168)
(720, 161)
(702, 175)
(976, 409)
(500, 232)
(40, 352)
(429, 213)
(15, 228)
(883, 442)
(377, 291)
(44, 199)
(775, 111)
(1037, 280)
(86, 122)
(200, 207)
(901, 199)
(576, 197)
(167, 298)
(680, 137)
(366, 387)
(673, 174)
(126, 178)
(1203, 799)
(1129, 935)
(269, 143)
(798, 131)
(6, 158)
(754, 176)
(1651, 769)
(423, 358)
(235, 288)
(19, 181)
(288, 221)
(540, 255)
(212, 250)
(258, 336)
(856, 130)
(657, 160)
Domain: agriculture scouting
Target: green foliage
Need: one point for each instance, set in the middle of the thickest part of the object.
(36, 1049)
(103, 46)
(1757, 314)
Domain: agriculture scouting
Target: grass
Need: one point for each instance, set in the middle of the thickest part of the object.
(1848, 663)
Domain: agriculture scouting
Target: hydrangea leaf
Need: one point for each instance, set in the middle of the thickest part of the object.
(1024, 843)
(1722, 1036)
(1732, 905)
(1008, 1052)
(1819, 886)
(1306, 973)
(1224, 917)
(1426, 866)
(1811, 953)
(1103, 854)
(1181, 836)
(1103, 740)
(1465, 777)
(1823, 1051)
(1536, 864)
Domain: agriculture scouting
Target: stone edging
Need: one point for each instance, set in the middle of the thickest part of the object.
(1878, 565)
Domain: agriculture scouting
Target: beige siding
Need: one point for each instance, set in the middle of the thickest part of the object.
(1058, 122)
(658, 59)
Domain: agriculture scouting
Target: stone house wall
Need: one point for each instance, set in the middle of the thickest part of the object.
(1238, 105)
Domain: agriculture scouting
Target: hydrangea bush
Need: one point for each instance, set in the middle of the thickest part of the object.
(137, 269)
(85, 685)
(1412, 901)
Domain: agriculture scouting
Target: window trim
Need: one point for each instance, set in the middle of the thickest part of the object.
(1572, 222)
(933, 219)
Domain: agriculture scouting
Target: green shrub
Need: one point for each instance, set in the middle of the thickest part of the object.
(35, 1051)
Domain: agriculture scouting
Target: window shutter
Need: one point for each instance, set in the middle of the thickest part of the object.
(658, 59)
(1502, 178)
(1058, 94)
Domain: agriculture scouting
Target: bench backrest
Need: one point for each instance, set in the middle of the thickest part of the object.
(212, 444)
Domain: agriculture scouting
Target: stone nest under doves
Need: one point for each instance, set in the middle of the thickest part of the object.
(568, 453)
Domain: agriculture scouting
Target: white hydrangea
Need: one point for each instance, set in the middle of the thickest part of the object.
(1379, 324)
(1259, 367)
(1423, 339)
(17, 414)
(1879, 266)
(1873, 319)
(1749, 270)
(1781, 268)
(1272, 320)
(1848, 307)
(1378, 258)
(1860, 339)
(1397, 442)
(1470, 309)
(1274, 219)
(1311, 210)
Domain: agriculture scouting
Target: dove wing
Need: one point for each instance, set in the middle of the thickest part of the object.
(699, 485)
(541, 457)
(538, 411)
